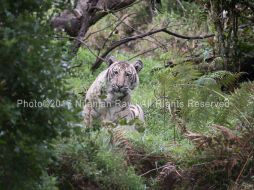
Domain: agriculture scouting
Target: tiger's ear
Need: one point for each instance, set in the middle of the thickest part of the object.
(138, 65)
(110, 60)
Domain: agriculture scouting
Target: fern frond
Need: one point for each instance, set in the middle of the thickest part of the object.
(225, 78)
(169, 176)
(120, 140)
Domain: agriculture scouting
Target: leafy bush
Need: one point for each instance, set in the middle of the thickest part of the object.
(46, 182)
(89, 160)
(30, 71)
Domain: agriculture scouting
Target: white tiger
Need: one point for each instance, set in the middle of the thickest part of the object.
(108, 98)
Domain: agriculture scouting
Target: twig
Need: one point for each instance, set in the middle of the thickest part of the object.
(142, 53)
(181, 5)
(111, 33)
(133, 3)
(92, 33)
(155, 40)
(149, 171)
(82, 42)
(97, 56)
(240, 174)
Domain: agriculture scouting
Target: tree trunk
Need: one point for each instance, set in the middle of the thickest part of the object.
(225, 20)
(86, 13)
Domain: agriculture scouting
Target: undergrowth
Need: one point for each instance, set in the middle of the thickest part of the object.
(198, 118)
(179, 139)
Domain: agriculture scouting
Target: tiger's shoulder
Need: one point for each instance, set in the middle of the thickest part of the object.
(98, 88)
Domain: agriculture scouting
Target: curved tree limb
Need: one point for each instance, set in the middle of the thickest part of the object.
(116, 44)
(188, 37)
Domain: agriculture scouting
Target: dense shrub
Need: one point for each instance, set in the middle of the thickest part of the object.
(30, 71)
(89, 161)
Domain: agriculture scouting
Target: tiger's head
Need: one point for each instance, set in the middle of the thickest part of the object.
(122, 77)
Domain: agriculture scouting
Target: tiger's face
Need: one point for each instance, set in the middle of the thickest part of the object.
(122, 77)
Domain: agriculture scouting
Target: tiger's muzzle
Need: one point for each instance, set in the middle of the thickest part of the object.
(121, 89)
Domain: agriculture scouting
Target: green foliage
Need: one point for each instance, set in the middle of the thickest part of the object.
(46, 182)
(89, 159)
(81, 77)
(199, 100)
(221, 157)
(243, 104)
(30, 71)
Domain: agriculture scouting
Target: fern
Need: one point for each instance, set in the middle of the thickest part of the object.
(225, 78)
(184, 85)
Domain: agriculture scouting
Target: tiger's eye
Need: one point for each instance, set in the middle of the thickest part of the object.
(116, 72)
(128, 74)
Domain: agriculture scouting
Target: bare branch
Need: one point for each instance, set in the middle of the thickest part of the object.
(97, 56)
(92, 33)
(142, 53)
(188, 37)
(82, 42)
(155, 40)
(120, 42)
(121, 20)
(139, 36)
(155, 169)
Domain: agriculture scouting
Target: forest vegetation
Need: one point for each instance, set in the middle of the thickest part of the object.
(196, 90)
